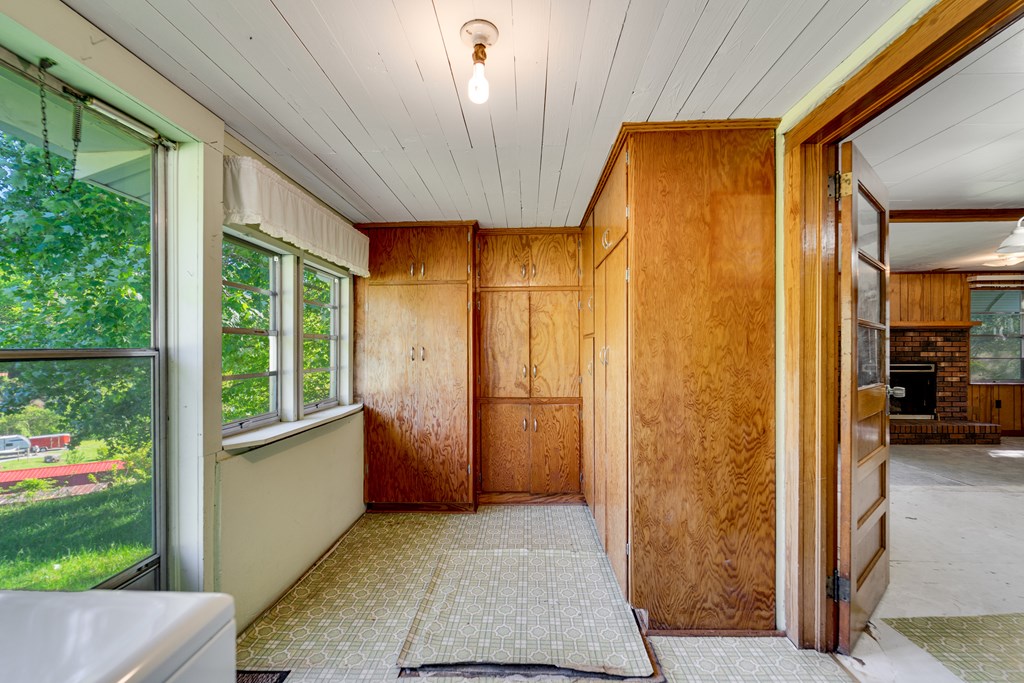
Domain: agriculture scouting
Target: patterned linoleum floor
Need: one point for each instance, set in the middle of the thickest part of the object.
(349, 618)
(975, 648)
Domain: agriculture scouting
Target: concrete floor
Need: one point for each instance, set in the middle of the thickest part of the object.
(957, 549)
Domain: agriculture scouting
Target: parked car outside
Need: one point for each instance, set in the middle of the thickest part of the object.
(14, 445)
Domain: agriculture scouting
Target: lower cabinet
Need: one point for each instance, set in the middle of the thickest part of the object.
(530, 448)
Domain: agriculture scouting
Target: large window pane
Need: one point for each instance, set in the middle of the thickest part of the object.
(242, 308)
(997, 346)
(320, 344)
(245, 354)
(996, 370)
(245, 265)
(247, 398)
(317, 319)
(316, 387)
(70, 528)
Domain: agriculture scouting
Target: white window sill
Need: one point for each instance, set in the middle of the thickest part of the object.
(254, 438)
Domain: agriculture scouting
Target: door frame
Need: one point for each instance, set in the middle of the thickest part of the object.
(944, 34)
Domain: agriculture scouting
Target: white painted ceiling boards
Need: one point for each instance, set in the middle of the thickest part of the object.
(363, 101)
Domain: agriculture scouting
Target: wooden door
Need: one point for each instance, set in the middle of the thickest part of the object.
(554, 344)
(389, 406)
(392, 257)
(610, 210)
(505, 344)
(616, 362)
(503, 260)
(864, 421)
(600, 406)
(441, 385)
(555, 449)
(441, 254)
(587, 282)
(554, 260)
(505, 447)
(587, 448)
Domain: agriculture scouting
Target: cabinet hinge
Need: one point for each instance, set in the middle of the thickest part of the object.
(469, 269)
(627, 549)
(627, 157)
(627, 274)
(627, 210)
(837, 587)
(469, 470)
(579, 305)
(469, 305)
(478, 304)
(469, 236)
(840, 185)
(581, 477)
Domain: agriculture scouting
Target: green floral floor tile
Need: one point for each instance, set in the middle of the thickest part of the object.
(744, 660)
(981, 648)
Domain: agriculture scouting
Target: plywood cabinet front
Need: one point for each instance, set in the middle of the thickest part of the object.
(505, 447)
(587, 447)
(528, 260)
(554, 260)
(587, 279)
(555, 449)
(610, 210)
(424, 254)
(530, 448)
(554, 344)
(616, 360)
(505, 349)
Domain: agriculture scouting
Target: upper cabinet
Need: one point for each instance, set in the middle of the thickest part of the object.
(419, 254)
(611, 210)
(536, 260)
(587, 283)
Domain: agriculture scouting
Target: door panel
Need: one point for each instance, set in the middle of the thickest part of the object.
(587, 291)
(864, 420)
(554, 261)
(587, 448)
(554, 344)
(616, 360)
(441, 254)
(600, 406)
(505, 344)
(505, 447)
(392, 257)
(441, 384)
(503, 261)
(555, 449)
(610, 210)
(388, 403)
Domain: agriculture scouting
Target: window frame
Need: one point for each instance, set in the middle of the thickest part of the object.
(334, 336)
(1019, 337)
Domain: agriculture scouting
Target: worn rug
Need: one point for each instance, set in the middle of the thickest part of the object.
(981, 648)
(245, 676)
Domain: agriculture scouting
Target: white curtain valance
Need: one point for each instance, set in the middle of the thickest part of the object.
(256, 196)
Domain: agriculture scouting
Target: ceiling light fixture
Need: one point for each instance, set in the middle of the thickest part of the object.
(1014, 244)
(480, 35)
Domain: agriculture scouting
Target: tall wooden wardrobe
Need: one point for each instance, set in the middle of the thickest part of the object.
(528, 382)
(679, 371)
(414, 360)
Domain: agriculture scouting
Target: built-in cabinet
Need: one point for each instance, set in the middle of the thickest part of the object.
(530, 448)
(683, 391)
(528, 260)
(414, 352)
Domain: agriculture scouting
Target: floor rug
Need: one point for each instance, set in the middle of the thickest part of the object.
(982, 648)
(260, 676)
(526, 607)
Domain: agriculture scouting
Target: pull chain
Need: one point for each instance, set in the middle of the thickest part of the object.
(76, 130)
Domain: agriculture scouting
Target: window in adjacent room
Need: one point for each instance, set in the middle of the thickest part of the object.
(997, 344)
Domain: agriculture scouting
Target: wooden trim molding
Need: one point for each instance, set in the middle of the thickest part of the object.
(421, 507)
(419, 224)
(569, 229)
(485, 498)
(945, 33)
(953, 215)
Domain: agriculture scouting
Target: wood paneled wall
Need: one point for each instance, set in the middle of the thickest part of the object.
(981, 405)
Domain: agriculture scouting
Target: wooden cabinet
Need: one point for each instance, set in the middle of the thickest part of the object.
(529, 344)
(413, 354)
(419, 254)
(587, 278)
(528, 260)
(530, 448)
(587, 422)
(684, 386)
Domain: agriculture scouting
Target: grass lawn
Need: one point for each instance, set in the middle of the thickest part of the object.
(87, 451)
(74, 543)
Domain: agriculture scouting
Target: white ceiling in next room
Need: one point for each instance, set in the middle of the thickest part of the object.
(364, 101)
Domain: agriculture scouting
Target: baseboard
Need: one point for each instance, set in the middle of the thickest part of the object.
(420, 507)
(711, 633)
(531, 499)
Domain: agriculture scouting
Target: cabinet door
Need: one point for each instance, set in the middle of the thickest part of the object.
(555, 449)
(554, 260)
(441, 384)
(554, 344)
(610, 210)
(503, 261)
(505, 344)
(587, 284)
(600, 406)
(441, 254)
(505, 447)
(616, 360)
(392, 257)
(389, 407)
(587, 447)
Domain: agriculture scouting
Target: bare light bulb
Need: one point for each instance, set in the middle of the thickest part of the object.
(479, 89)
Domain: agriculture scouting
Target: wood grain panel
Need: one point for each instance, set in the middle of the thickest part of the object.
(503, 260)
(587, 284)
(505, 344)
(531, 499)
(505, 447)
(981, 405)
(610, 209)
(600, 407)
(616, 390)
(555, 449)
(392, 255)
(929, 297)
(442, 254)
(587, 427)
(554, 344)
(554, 260)
(702, 379)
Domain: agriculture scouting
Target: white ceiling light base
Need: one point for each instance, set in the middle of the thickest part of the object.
(1014, 244)
(479, 32)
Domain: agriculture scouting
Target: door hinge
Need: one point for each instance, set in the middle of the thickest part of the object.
(627, 274)
(837, 587)
(840, 185)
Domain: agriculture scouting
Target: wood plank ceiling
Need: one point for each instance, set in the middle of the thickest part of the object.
(364, 101)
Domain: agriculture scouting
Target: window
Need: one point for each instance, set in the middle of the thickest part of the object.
(80, 361)
(997, 344)
(286, 336)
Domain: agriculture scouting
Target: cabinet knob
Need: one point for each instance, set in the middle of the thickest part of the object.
(412, 353)
(423, 269)
(524, 372)
(604, 238)
(590, 303)
(534, 424)
(522, 271)
(412, 270)
(534, 371)
(590, 368)
(423, 353)
(533, 270)
(524, 424)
